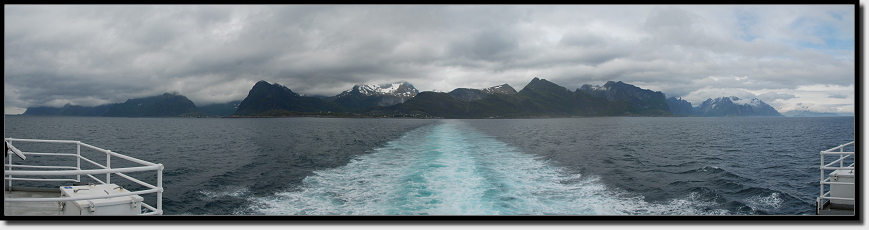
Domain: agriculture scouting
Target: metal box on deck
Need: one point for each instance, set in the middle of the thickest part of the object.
(123, 205)
(842, 190)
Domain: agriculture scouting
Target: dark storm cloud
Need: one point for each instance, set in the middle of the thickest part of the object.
(489, 45)
(97, 54)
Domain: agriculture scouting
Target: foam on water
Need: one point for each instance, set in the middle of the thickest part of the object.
(223, 191)
(766, 203)
(452, 169)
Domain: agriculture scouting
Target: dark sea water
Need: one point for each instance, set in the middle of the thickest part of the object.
(568, 166)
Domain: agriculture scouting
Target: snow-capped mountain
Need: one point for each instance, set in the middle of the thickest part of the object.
(754, 102)
(591, 88)
(734, 106)
(504, 89)
(467, 94)
(365, 96)
(398, 89)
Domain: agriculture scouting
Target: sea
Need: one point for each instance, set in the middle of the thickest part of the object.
(377, 166)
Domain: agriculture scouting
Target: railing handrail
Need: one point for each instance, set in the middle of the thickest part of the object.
(86, 145)
(77, 171)
(840, 147)
(41, 140)
(82, 172)
(117, 154)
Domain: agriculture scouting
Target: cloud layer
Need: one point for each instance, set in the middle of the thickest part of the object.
(91, 55)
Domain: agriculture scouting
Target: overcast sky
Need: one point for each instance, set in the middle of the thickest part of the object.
(792, 57)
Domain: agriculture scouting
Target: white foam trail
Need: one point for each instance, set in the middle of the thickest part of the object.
(452, 169)
(224, 191)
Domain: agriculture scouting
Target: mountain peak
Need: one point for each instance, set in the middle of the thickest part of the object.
(400, 89)
(262, 83)
(503, 89)
(537, 82)
(734, 106)
(265, 97)
(364, 96)
(263, 87)
(754, 102)
(467, 94)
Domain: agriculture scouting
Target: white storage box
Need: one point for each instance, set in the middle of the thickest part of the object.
(842, 190)
(123, 205)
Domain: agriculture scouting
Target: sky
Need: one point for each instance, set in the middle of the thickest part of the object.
(793, 57)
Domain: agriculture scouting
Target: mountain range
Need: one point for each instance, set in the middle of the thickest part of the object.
(166, 105)
(539, 98)
(721, 107)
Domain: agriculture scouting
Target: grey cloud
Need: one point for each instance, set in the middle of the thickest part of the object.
(95, 54)
(772, 96)
(669, 20)
(582, 40)
(838, 96)
(487, 45)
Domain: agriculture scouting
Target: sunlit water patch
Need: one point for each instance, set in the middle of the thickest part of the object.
(452, 169)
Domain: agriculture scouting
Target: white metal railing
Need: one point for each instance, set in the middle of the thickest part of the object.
(842, 157)
(78, 172)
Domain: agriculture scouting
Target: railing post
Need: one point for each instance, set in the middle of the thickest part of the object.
(841, 155)
(9, 168)
(78, 159)
(821, 182)
(108, 165)
(160, 191)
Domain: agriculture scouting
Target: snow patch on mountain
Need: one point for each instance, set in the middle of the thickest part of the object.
(590, 88)
(398, 89)
(754, 102)
(504, 89)
(734, 106)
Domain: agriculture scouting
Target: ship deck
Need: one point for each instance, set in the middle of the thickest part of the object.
(836, 209)
(50, 208)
